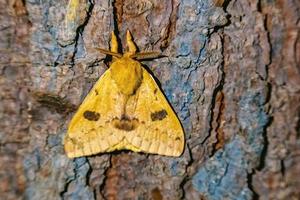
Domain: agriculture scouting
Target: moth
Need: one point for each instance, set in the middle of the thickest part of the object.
(125, 110)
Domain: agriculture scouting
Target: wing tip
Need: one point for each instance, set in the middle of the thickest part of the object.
(71, 155)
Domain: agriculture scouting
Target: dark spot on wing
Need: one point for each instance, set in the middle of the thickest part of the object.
(155, 91)
(159, 115)
(125, 123)
(177, 138)
(91, 115)
(125, 117)
(96, 91)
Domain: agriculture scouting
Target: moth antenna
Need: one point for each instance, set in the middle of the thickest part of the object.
(113, 47)
(130, 43)
(114, 43)
(146, 55)
(104, 51)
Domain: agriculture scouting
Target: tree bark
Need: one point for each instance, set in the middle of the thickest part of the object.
(231, 72)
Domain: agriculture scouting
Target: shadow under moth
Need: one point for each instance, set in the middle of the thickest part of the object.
(125, 110)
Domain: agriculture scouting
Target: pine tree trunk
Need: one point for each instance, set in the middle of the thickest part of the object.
(231, 72)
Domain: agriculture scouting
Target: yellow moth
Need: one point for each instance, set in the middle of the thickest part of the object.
(125, 110)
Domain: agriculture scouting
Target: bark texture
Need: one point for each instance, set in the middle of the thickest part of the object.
(231, 73)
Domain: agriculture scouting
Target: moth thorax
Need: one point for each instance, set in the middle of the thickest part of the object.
(127, 73)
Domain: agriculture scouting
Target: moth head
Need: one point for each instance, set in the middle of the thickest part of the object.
(131, 53)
